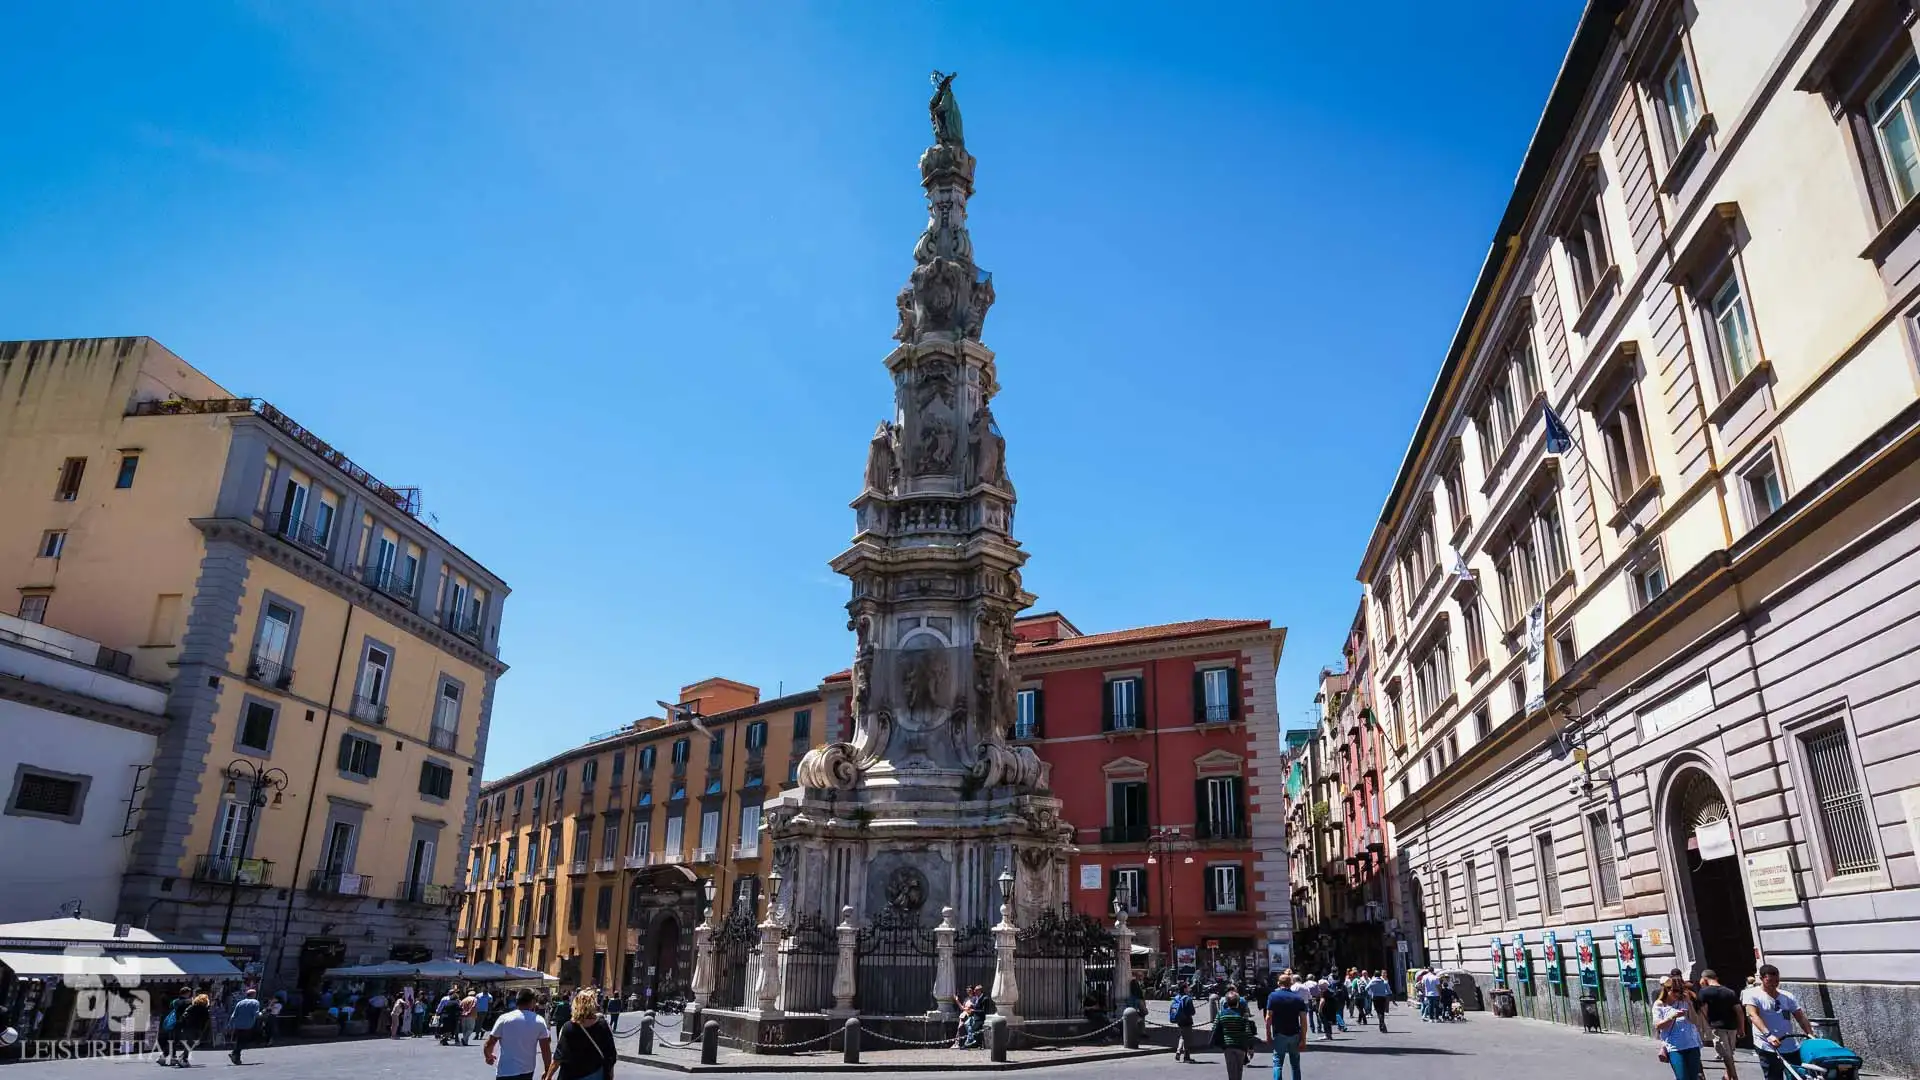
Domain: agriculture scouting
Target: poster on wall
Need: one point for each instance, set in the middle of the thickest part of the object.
(1770, 880)
(1537, 657)
(1090, 876)
(1277, 958)
(1550, 951)
(1185, 956)
(1522, 967)
(1497, 961)
(1628, 948)
(1589, 960)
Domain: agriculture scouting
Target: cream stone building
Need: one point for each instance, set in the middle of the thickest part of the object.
(308, 627)
(1656, 685)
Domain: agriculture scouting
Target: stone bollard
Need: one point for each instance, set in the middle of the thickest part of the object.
(998, 1036)
(645, 1045)
(710, 1042)
(850, 1043)
(690, 1021)
(1130, 1029)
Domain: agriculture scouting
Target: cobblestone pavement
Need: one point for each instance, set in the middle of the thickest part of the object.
(1480, 1048)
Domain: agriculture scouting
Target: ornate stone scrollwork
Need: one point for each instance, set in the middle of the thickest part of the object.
(1000, 765)
(834, 765)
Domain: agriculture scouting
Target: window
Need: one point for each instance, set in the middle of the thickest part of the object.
(609, 835)
(1433, 676)
(493, 861)
(1553, 540)
(709, 830)
(1474, 631)
(1549, 872)
(647, 756)
(1217, 694)
(1456, 488)
(519, 799)
(1446, 897)
(256, 727)
(359, 757)
(436, 781)
(232, 829)
(1223, 887)
(1517, 690)
(1584, 236)
(1026, 714)
(68, 489)
(1473, 894)
(1222, 806)
(619, 766)
(1680, 111)
(559, 783)
(1649, 580)
(43, 793)
(1625, 438)
(802, 725)
(681, 749)
(642, 836)
(676, 834)
(589, 772)
(1503, 877)
(1565, 654)
(33, 606)
(52, 543)
(446, 717)
(1846, 824)
(676, 792)
(129, 464)
(1764, 492)
(370, 701)
(793, 771)
(323, 521)
(1896, 134)
(713, 784)
(1735, 350)
(1482, 723)
(715, 748)
(582, 841)
(1494, 420)
(1126, 812)
(1123, 704)
(576, 906)
(273, 653)
(1130, 889)
(1606, 870)
(750, 829)
(757, 736)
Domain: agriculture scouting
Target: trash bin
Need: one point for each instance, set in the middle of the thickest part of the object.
(1503, 1002)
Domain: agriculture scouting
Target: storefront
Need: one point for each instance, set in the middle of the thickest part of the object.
(79, 980)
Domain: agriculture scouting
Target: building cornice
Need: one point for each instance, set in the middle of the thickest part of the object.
(1150, 649)
(67, 703)
(319, 573)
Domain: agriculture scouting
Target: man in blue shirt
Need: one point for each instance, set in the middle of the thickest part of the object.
(246, 1016)
(1286, 1025)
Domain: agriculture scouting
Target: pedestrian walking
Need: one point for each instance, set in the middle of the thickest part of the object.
(1237, 1033)
(1726, 1020)
(1773, 1012)
(1429, 995)
(584, 1048)
(245, 1018)
(170, 1024)
(1380, 992)
(483, 1010)
(1286, 1014)
(469, 1008)
(397, 1015)
(195, 1025)
(1677, 1022)
(514, 1039)
(1332, 1008)
(1180, 1014)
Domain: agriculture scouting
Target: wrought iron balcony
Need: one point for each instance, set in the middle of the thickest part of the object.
(636, 860)
(267, 672)
(670, 858)
(579, 867)
(229, 869)
(526, 877)
(398, 584)
(1216, 714)
(605, 865)
(1374, 839)
(519, 929)
(703, 855)
(1222, 830)
(746, 851)
(1026, 730)
(366, 708)
(334, 883)
(1124, 721)
(467, 626)
(427, 893)
(543, 927)
(442, 738)
(1125, 834)
(301, 534)
(549, 872)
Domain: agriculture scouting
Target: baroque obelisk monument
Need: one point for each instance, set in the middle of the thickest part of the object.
(927, 805)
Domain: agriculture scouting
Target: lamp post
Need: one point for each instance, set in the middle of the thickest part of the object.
(1006, 985)
(703, 973)
(766, 988)
(1166, 840)
(258, 783)
(710, 887)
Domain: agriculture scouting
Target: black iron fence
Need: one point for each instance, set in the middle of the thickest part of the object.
(895, 961)
(1065, 963)
(736, 945)
(812, 951)
(973, 957)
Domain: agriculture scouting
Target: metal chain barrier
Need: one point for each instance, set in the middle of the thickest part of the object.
(866, 1034)
(743, 1044)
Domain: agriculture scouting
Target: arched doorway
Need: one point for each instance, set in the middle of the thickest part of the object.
(1707, 874)
(664, 960)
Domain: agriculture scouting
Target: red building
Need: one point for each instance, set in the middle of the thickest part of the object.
(1164, 746)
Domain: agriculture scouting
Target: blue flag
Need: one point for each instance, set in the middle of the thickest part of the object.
(1559, 439)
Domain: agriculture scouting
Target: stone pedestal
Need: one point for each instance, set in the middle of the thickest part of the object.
(1006, 982)
(703, 972)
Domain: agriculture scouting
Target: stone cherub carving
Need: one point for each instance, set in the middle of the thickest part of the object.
(904, 332)
(945, 111)
(883, 457)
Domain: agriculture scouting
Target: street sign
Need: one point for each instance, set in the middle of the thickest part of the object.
(1403, 946)
(1213, 943)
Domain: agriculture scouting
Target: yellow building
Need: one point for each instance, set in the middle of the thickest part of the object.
(306, 624)
(592, 865)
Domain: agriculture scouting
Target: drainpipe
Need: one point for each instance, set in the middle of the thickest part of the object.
(313, 787)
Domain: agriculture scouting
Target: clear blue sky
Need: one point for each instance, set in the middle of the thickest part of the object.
(612, 283)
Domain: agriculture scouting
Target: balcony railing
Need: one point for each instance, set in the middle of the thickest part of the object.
(579, 867)
(605, 865)
(300, 534)
(443, 738)
(393, 582)
(274, 673)
(670, 858)
(366, 708)
(543, 927)
(636, 859)
(679, 768)
(746, 851)
(1124, 834)
(1215, 714)
(549, 872)
(334, 883)
(703, 855)
(1374, 839)
(1026, 730)
(1124, 721)
(1222, 830)
(467, 626)
(519, 929)
(526, 877)
(228, 869)
(427, 893)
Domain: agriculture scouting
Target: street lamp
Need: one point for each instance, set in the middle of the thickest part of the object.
(1168, 839)
(258, 782)
(773, 894)
(1006, 894)
(710, 887)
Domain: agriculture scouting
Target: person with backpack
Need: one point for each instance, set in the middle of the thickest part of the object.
(196, 1023)
(170, 1024)
(1180, 1014)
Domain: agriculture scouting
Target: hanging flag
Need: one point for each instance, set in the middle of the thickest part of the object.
(1559, 439)
(1460, 569)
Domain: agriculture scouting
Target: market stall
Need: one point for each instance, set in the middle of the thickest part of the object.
(82, 979)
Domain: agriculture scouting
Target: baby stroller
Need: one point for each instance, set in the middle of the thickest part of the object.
(1824, 1059)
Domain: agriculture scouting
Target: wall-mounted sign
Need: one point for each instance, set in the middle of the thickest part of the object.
(1277, 956)
(1090, 876)
(1770, 879)
(1627, 947)
(1714, 840)
(1677, 708)
(1550, 951)
(1184, 956)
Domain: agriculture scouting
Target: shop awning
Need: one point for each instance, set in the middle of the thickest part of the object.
(121, 967)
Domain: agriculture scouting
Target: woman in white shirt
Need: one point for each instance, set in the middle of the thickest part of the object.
(1677, 1020)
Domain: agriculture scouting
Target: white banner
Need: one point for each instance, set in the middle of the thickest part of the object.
(1537, 657)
